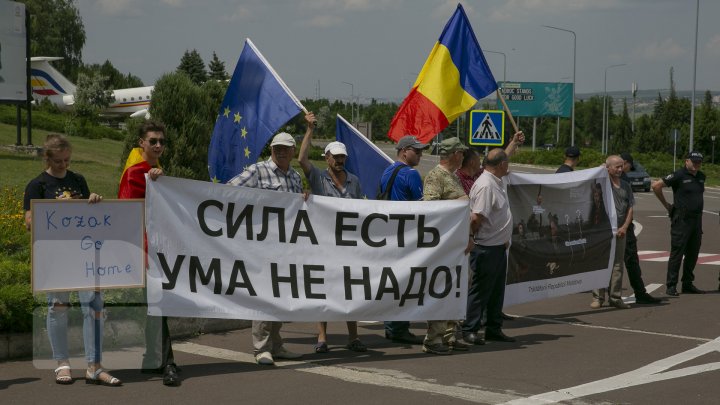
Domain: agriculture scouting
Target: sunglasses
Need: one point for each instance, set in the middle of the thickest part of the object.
(155, 141)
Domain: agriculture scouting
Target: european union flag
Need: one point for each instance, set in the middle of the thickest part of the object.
(364, 159)
(256, 104)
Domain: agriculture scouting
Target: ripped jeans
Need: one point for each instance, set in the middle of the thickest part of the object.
(57, 324)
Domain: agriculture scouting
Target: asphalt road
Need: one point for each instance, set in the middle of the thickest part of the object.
(661, 354)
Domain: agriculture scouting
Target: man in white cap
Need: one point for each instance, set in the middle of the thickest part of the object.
(335, 181)
(273, 174)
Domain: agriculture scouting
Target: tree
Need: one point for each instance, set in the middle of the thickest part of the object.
(217, 69)
(56, 29)
(91, 97)
(622, 134)
(188, 112)
(193, 66)
(114, 78)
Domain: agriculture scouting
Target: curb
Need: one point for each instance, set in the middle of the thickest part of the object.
(119, 333)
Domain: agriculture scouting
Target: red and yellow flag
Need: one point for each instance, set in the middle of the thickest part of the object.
(455, 76)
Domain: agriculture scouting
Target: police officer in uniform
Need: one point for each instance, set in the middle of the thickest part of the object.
(688, 185)
(572, 157)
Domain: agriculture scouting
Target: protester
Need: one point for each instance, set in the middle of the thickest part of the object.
(572, 158)
(472, 168)
(57, 182)
(624, 201)
(442, 184)
(688, 185)
(491, 228)
(401, 182)
(145, 159)
(335, 181)
(272, 174)
(632, 261)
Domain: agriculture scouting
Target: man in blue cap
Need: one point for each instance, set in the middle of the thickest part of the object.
(688, 185)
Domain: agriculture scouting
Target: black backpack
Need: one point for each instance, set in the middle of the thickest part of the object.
(385, 195)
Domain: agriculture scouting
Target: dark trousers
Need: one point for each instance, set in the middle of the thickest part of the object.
(685, 239)
(396, 328)
(487, 289)
(158, 347)
(632, 262)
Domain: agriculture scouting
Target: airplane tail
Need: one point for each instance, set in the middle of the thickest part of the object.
(46, 80)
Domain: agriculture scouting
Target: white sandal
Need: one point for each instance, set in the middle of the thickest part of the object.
(94, 378)
(63, 379)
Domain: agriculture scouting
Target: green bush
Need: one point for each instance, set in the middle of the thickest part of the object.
(60, 122)
(16, 308)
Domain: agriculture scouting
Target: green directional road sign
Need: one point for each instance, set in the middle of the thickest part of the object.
(487, 128)
(535, 99)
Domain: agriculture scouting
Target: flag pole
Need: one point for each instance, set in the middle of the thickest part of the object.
(507, 110)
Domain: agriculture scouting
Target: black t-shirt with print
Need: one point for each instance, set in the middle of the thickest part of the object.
(46, 186)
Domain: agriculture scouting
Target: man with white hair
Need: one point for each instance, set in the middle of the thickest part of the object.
(335, 181)
(273, 174)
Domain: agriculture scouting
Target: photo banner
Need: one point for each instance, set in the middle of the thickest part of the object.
(563, 234)
(219, 251)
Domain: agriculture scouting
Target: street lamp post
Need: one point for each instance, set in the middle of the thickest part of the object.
(606, 112)
(352, 102)
(572, 124)
(713, 149)
(504, 63)
(692, 103)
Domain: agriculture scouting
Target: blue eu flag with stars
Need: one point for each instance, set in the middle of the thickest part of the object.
(364, 159)
(257, 103)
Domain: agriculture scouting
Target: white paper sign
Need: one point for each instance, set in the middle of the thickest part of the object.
(81, 246)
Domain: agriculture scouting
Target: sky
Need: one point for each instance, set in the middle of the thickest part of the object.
(379, 46)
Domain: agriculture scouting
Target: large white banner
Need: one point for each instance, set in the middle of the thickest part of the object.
(218, 251)
(563, 234)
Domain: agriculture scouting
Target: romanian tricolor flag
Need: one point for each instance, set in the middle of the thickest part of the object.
(132, 181)
(455, 76)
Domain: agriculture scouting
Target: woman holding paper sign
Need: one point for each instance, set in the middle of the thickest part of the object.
(57, 182)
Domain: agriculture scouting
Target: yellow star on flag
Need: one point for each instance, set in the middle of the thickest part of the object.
(215, 179)
(243, 131)
(247, 152)
(226, 113)
(237, 117)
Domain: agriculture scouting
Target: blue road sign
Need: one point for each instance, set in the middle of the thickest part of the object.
(487, 128)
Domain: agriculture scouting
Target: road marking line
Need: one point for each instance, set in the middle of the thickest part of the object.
(653, 372)
(360, 375)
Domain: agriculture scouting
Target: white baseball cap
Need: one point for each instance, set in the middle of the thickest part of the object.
(336, 148)
(283, 138)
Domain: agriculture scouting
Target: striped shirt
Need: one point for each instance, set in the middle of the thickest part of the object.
(268, 176)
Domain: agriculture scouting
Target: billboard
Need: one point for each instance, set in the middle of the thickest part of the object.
(537, 99)
(13, 74)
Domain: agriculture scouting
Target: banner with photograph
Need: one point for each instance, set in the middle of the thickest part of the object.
(563, 234)
(218, 251)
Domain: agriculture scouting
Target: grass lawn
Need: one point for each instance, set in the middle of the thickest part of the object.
(96, 159)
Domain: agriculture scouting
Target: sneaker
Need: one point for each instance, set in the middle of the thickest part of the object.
(283, 353)
(406, 337)
(459, 345)
(264, 358)
(436, 348)
(596, 304)
(619, 304)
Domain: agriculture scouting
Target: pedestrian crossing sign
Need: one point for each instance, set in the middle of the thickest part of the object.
(487, 128)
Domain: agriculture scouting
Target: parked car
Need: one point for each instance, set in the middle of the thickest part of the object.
(639, 177)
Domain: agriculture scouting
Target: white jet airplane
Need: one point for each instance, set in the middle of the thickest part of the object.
(49, 83)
